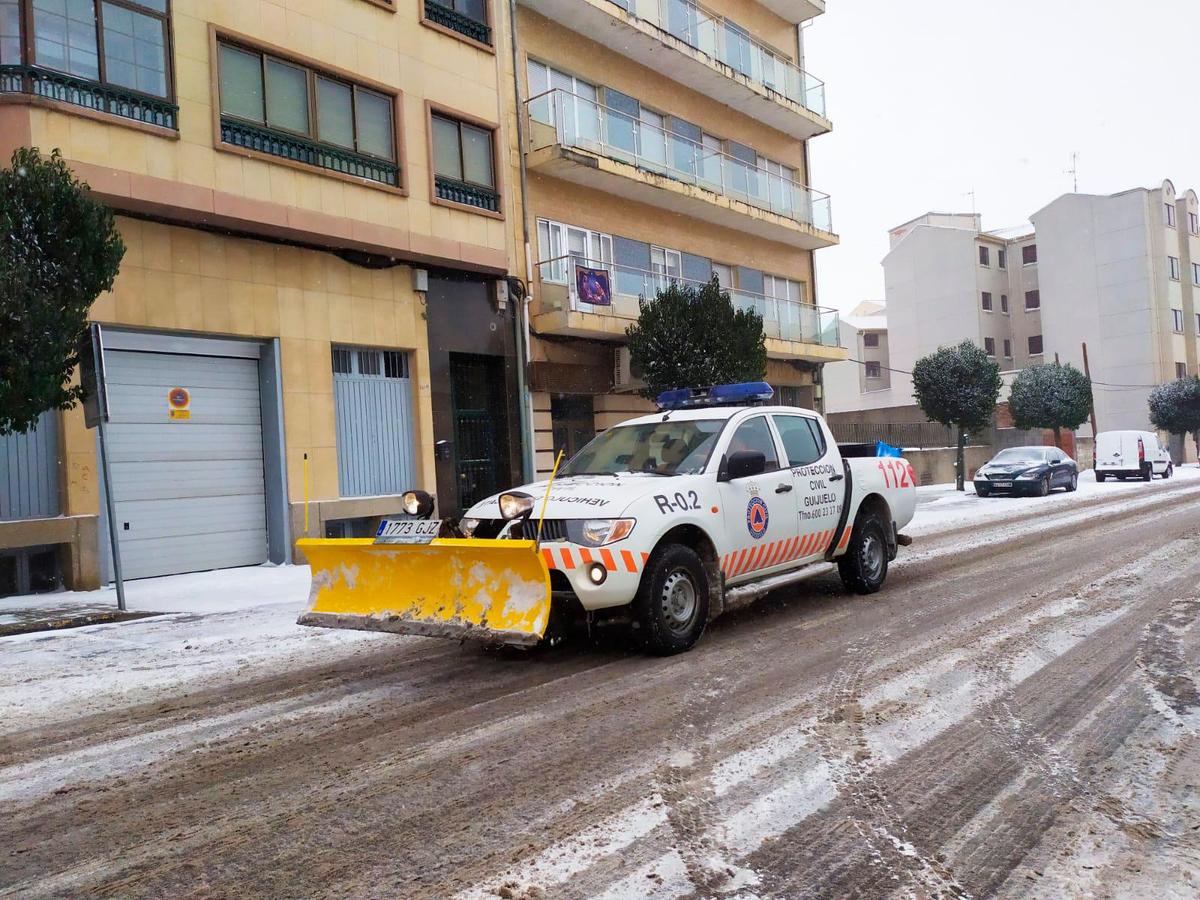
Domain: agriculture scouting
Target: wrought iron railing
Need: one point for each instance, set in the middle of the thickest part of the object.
(456, 21)
(469, 194)
(783, 319)
(573, 120)
(107, 98)
(727, 42)
(298, 149)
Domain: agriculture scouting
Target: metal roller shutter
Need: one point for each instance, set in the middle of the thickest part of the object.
(189, 493)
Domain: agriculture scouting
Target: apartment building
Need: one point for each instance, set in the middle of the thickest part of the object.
(663, 142)
(1118, 272)
(868, 369)
(319, 227)
(1121, 273)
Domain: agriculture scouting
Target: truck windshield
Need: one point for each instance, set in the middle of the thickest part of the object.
(657, 448)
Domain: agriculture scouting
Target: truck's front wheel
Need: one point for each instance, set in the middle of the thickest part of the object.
(671, 606)
(864, 566)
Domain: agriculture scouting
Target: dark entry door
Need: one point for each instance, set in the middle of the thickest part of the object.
(478, 404)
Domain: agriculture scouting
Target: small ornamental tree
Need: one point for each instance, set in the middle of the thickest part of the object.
(1053, 396)
(694, 337)
(958, 387)
(1175, 407)
(59, 250)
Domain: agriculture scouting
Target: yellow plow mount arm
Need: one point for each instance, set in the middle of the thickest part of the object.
(482, 589)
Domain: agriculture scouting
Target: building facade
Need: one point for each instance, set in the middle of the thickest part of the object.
(312, 314)
(1119, 273)
(660, 143)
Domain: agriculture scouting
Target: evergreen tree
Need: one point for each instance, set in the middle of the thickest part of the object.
(958, 386)
(1175, 407)
(59, 250)
(1053, 396)
(694, 337)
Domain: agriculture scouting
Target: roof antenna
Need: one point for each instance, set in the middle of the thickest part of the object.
(1074, 172)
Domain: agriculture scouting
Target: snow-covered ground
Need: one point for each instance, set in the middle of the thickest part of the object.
(237, 624)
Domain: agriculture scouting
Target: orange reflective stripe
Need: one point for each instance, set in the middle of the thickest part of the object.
(645, 557)
(739, 563)
(629, 563)
(568, 560)
(845, 539)
(609, 562)
(585, 555)
(776, 554)
(548, 556)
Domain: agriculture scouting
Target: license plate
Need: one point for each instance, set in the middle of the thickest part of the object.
(407, 531)
(1001, 484)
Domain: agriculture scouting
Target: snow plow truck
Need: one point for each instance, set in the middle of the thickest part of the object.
(661, 523)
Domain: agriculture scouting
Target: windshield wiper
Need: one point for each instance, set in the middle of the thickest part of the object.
(651, 472)
(574, 474)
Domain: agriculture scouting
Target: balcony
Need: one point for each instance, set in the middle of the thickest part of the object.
(579, 140)
(105, 98)
(793, 330)
(795, 11)
(704, 51)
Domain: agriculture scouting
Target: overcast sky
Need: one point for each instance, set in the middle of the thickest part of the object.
(933, 99)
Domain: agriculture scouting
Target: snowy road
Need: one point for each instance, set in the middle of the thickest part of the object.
(1016, 714)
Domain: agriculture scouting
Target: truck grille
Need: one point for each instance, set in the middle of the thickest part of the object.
(552, 529)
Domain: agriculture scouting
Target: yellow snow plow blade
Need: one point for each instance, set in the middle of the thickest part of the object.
(482, 589)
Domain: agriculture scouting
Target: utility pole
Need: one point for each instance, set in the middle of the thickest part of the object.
(1087, 370)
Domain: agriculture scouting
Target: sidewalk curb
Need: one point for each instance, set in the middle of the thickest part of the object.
(80, 621)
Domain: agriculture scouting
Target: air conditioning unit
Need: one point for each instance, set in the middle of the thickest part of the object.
(625, 379)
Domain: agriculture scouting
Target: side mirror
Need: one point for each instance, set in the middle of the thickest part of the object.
(743, 464)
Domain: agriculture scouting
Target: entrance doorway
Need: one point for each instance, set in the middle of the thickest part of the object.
(479, 408)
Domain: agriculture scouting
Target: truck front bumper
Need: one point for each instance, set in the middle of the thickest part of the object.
(600, 578)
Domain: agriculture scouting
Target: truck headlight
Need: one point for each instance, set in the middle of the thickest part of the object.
(598, 532)
(513, 506)
(468, 526)
(417, 503)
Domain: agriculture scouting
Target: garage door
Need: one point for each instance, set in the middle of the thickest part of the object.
(189, 487)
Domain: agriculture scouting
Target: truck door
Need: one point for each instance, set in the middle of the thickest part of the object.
(817, 473)
(759, 511)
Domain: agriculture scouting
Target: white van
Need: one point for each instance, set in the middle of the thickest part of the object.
(1131, 454)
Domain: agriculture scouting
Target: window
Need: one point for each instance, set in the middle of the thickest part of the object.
(1169, 214)
(803, 442)
(874, 369)
(667, 266)
(987, 301)
(1004, 303)
(1193, 223)
(117, 49)
(1177, 320)
(871, 339)
(463, 164)
(1196, 274)
(1197, 323)
(1181, 370)
(467, 17)
(275, 106)
(754, 434)
(1029, 255)
(1002, 259)
(1035, 345)
(561, 247)
(1007, 349)
(1173, 267)
(370, 363)
(1033, 299)
(989, 346)
(985, 258)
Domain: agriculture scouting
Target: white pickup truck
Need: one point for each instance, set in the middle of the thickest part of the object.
(672, 518)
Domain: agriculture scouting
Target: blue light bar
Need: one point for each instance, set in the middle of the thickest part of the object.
(718, 395)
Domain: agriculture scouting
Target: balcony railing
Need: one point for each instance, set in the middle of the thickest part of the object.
(729, 43)
(450, 18)
(107, 98)
(786, 320)
(298, 149)
(559, 116)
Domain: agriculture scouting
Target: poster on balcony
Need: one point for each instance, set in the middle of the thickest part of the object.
(593, 286)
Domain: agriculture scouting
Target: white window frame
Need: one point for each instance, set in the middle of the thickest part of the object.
(554, 247)
(1169, 214)
(1177, 321)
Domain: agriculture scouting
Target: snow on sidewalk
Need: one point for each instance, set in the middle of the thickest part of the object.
(221, 627)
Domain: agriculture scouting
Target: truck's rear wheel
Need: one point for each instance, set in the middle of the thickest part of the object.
(671, 606)
(865, 564)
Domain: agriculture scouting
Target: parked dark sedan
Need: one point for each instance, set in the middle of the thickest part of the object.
(1027, 470)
